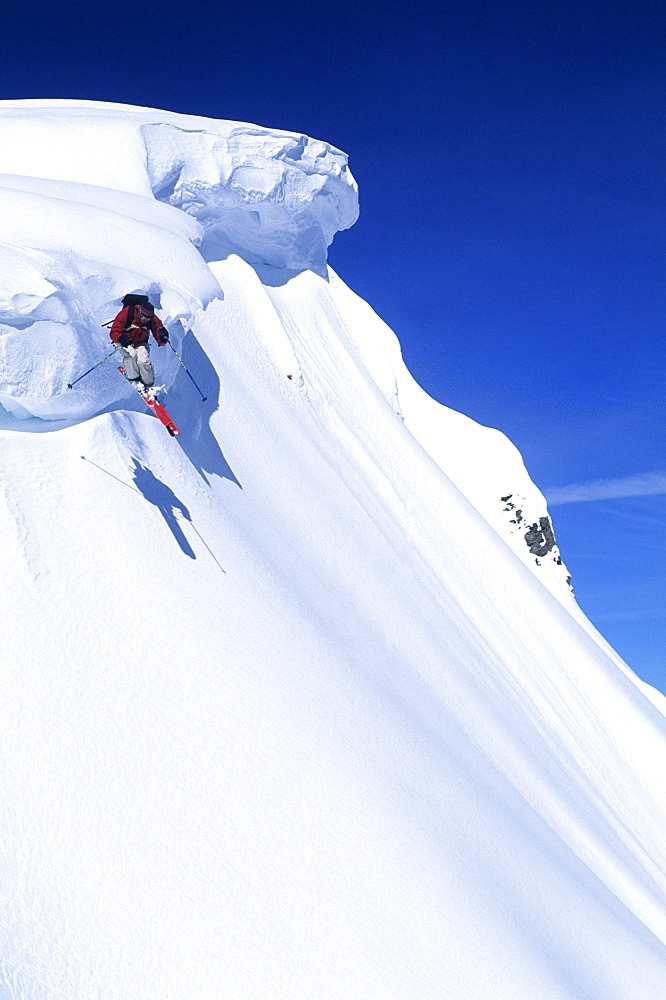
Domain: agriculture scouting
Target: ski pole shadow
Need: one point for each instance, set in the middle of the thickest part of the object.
(161, 496)
(157, 493)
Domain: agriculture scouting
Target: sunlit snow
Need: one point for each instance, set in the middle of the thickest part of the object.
(298, 704)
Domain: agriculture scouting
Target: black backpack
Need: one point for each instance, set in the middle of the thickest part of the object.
(131, 300)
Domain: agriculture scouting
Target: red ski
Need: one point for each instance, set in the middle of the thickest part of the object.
(155, 406)
(161, 414)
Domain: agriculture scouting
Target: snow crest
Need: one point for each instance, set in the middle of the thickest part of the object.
(97, 200)
(270, 198)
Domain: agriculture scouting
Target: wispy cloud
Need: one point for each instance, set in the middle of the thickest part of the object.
(643, 485)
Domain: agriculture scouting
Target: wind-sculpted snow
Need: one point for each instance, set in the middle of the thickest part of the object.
(288, 709)
(80, 248)
(270, 198)
(110, 199)
(201, 188)
(179, 190)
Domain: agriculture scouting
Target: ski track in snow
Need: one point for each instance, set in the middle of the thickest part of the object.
(289, 707)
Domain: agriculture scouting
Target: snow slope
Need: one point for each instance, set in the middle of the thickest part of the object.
(289, 707)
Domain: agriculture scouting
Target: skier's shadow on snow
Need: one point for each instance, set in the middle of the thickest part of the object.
(166, 501)
(192, 414)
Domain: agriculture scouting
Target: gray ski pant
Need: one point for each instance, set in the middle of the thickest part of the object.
(137, 363)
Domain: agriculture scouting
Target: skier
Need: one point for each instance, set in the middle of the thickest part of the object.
(130, 331)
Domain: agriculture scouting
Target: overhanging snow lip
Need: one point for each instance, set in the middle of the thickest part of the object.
(271, 197)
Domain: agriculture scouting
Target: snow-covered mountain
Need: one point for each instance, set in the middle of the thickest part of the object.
(298, 704)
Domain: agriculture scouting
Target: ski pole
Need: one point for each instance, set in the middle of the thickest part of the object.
(203, 398)
(71, 384)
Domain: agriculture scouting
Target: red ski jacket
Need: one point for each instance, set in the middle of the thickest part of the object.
(137, 332)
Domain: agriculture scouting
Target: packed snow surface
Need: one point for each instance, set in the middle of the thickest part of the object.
(298, 704)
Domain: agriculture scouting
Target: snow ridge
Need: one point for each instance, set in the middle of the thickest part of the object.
(298, 704)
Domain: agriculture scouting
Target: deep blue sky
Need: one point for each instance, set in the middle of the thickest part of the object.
(510, 158)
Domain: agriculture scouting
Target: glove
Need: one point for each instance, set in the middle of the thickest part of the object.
(124, 340)
(164, 335)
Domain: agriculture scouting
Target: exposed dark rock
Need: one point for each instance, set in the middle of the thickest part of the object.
(540, 539)
(509, 506)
